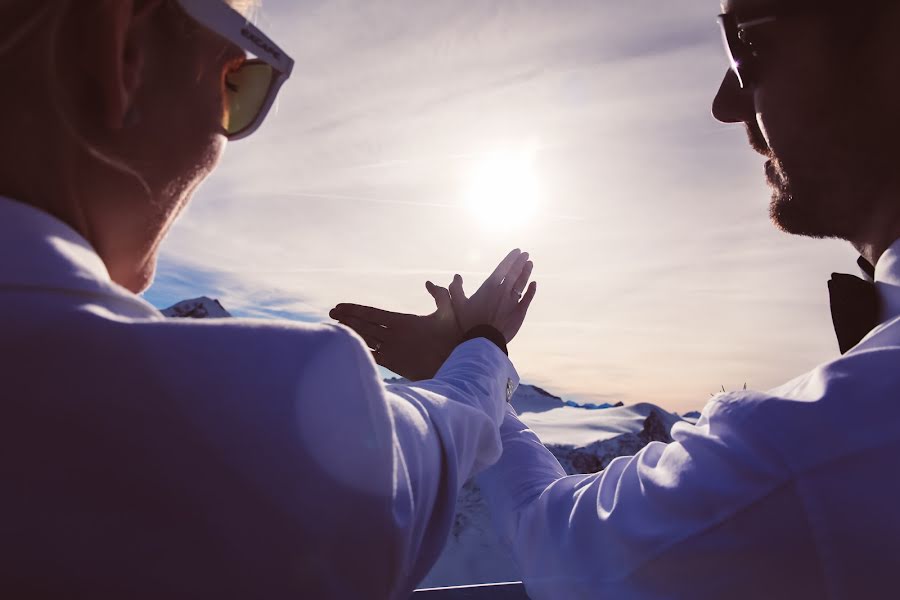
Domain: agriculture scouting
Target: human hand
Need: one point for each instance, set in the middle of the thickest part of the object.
(499, 302)
(412, 346)
(415, 346)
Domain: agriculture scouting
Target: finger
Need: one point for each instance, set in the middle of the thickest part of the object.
(515, 272)
(441, 297)
(365, 313)
(457, 294)
(514, 323)
(504, 266)
(521, 283)
(374, 335)
(527, 298)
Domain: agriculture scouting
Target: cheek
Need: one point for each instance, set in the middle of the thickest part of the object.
(183, 106)
(767, 123)
(761, 124)
(192, 129)
(193, 169)
(215, 148)
(795, 108)
(197, 114)
(789, 123)
(191, 83)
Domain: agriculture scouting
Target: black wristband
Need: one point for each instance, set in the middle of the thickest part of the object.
(490, 334)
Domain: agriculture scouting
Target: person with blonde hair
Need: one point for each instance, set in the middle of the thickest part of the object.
(278, 464)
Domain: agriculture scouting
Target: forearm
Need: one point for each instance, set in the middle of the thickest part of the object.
(446, 430)
(583, 535)
(525, 470)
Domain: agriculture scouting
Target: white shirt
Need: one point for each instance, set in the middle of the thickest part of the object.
(150, 458)
(792, 493)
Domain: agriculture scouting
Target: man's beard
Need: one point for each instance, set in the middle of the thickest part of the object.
(807, 203)
(820, 202)
(802, 213)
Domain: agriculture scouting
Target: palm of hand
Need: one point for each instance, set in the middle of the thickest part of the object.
(413, 346)
(483, 307)
(499, 301)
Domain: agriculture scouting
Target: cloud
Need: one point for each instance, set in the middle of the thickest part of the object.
(242, 297)
(660, 278)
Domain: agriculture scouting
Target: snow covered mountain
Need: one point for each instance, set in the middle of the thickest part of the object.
(198, 308)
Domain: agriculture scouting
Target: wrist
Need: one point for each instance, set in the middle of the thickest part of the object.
(489, 333)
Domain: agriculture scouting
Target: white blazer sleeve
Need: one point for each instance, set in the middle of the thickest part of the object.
(643, 526)
(411, 447)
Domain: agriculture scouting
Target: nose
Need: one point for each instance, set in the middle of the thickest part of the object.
(733, 104)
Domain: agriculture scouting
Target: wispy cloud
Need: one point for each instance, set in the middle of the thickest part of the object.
(660, 277)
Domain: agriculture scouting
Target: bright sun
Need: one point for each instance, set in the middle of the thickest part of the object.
(503, 188)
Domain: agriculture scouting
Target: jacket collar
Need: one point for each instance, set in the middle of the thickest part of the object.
(38, 251)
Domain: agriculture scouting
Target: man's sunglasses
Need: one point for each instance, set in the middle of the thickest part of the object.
(743, 56)
(251, 88)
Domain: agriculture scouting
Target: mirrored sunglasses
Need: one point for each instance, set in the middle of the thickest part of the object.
(252, 86)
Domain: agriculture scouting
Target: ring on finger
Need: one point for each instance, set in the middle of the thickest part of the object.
(377, 347)
(517, 294)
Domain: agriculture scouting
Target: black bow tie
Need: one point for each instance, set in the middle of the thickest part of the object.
(854, 306)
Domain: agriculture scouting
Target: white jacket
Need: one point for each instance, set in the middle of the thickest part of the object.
(792, 493)
(146, 457)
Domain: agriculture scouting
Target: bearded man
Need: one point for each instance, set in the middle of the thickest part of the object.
(773, 494)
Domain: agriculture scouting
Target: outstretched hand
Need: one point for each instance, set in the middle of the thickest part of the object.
(499, 301)
(412, 346)
(415, 346)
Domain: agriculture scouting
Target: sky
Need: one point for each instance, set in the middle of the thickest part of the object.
(660, 277)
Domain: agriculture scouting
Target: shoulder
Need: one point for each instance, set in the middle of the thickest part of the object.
(219, 352)
(841, 407)
(225, 337)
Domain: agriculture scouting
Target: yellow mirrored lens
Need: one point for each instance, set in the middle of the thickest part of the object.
(245, 93)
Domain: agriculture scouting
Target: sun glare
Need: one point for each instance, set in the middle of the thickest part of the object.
(503, 188)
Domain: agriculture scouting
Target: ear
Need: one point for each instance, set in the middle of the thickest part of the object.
(114, 53)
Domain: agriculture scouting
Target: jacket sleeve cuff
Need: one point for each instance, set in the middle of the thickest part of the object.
(489, 333)
(482, 352)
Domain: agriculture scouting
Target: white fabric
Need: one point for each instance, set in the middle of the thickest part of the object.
(792, 493)
(146, 457)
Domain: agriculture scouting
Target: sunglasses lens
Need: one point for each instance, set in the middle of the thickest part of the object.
(246, 92)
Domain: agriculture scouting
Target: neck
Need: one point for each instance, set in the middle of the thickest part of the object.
(33, 186)
(875, 244)
(88, 199)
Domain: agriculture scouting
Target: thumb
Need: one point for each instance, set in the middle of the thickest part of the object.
(441, 297)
